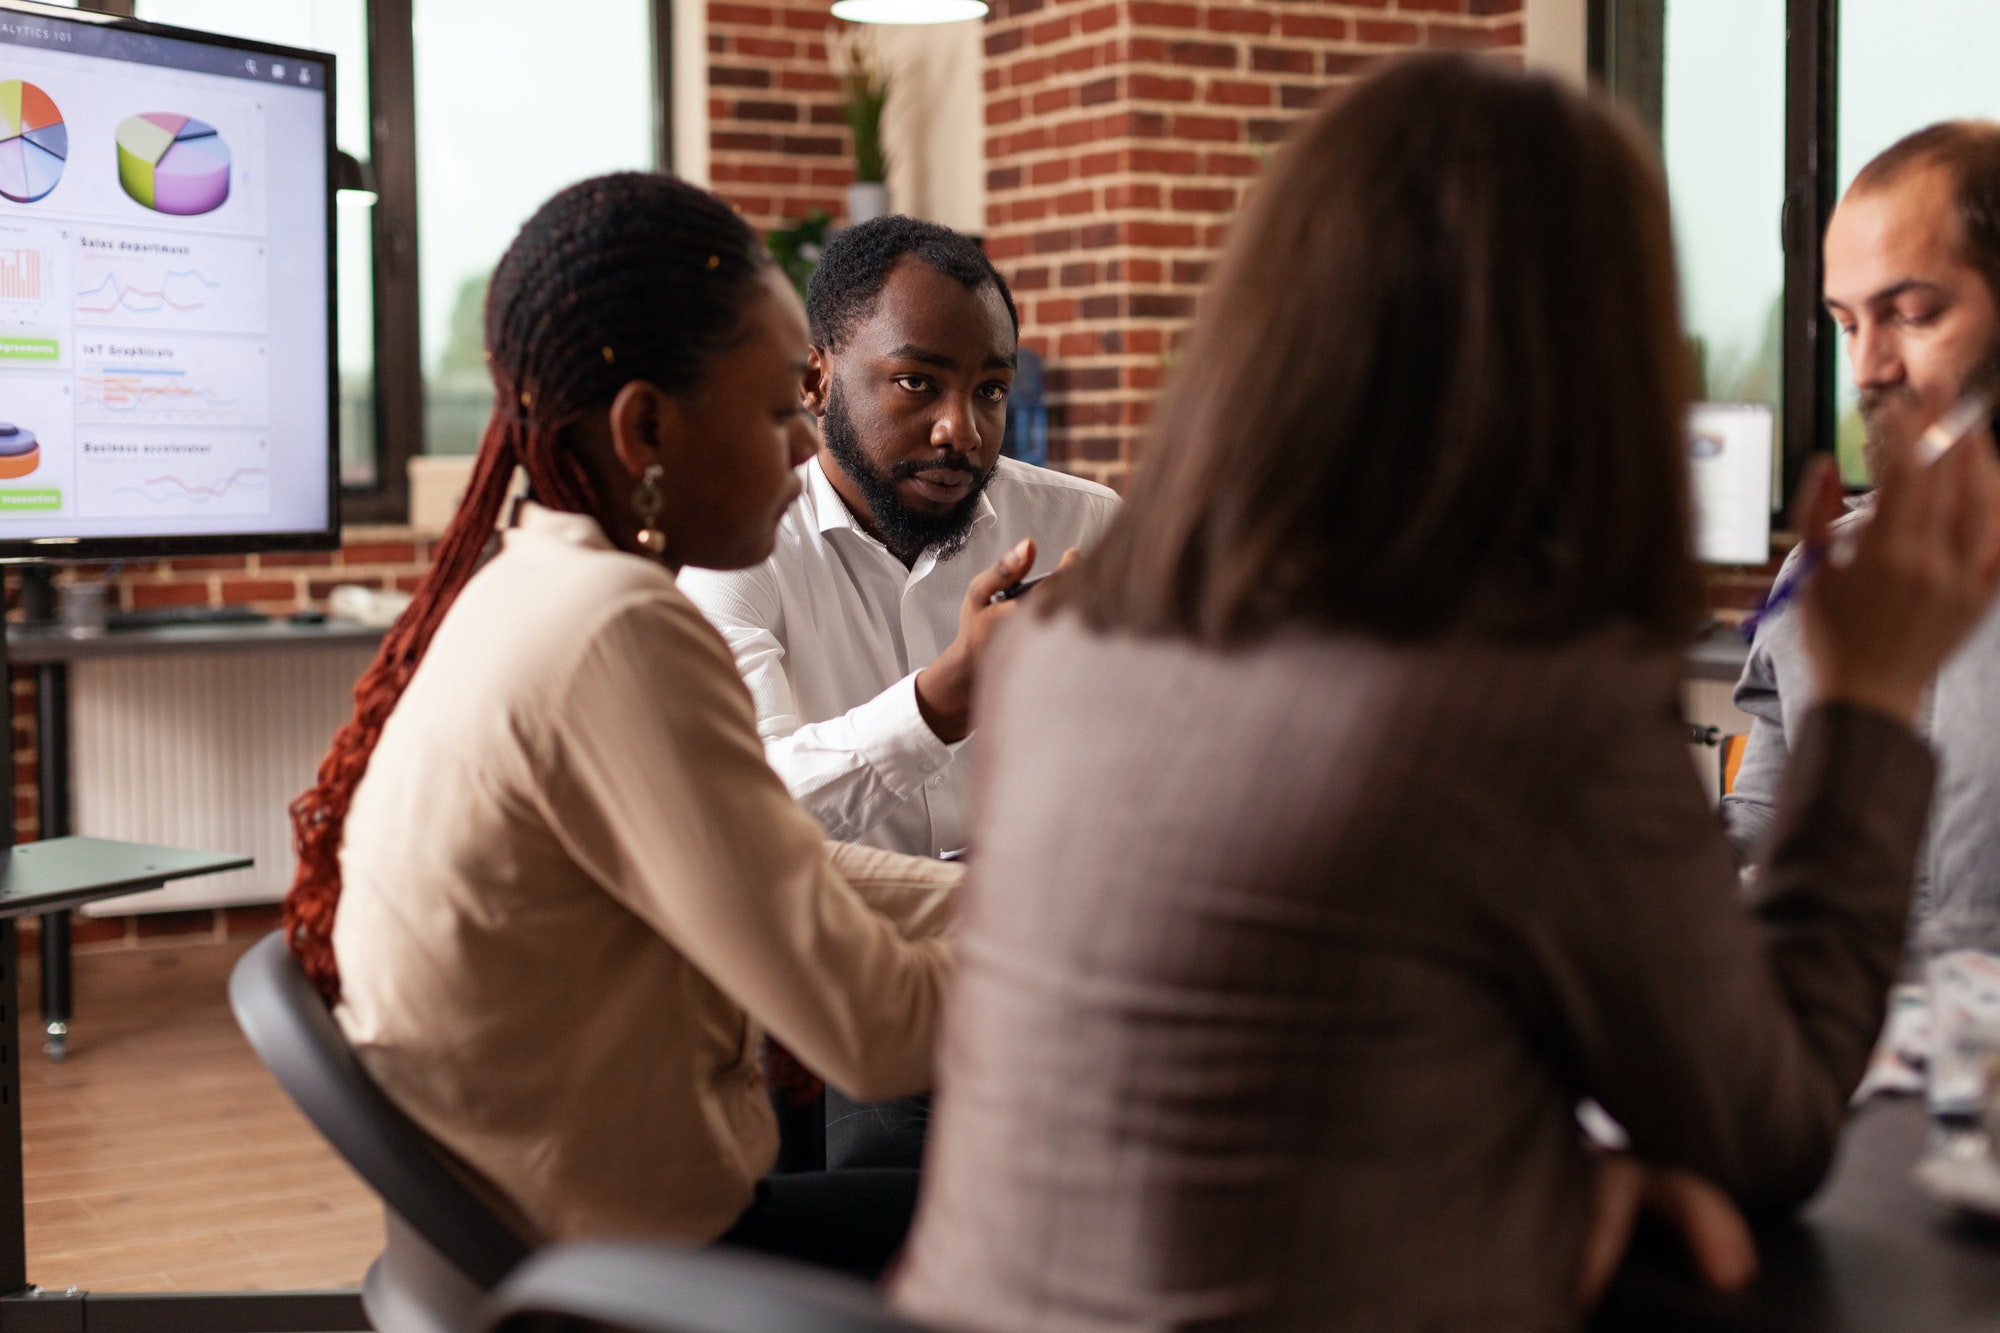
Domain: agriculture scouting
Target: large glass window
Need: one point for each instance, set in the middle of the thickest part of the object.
(1707, 78)
(341, 27)
(510, 108)
(1905, 64)
(1723, 138)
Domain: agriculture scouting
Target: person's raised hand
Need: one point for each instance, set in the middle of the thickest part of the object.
(944, 688)
(1881, 614)
(1717, 1239)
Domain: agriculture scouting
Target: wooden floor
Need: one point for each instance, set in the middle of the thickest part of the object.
(161, 1157)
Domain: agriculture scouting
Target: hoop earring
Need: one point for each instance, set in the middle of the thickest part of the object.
(647, 502)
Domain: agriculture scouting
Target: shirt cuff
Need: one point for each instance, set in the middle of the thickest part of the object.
(896, 741)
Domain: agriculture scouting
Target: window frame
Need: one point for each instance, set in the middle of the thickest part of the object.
(1624, 29)
(398, 370)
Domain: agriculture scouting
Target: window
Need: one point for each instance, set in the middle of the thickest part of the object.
(507, 113)
(1707, 77)
(1856, 75)
(1723, 139)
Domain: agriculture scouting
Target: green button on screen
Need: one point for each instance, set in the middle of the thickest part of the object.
(16, 348)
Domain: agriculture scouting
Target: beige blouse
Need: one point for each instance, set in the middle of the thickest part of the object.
(576, 896)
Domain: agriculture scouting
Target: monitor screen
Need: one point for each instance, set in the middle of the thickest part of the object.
(166, 291)
(1730, 459)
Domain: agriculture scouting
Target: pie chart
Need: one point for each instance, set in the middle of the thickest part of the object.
(172, 163)
(19, 452)
(33, 142)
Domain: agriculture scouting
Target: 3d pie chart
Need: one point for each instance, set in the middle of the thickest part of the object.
(172, 164)
(19, 453)
(33, 142)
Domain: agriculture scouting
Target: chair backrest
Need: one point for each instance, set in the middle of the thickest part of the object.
(642, 1287)
(1731, 759)
(292, 1031)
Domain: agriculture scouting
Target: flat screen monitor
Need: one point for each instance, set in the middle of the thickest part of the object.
(167, 378)
(1730, 462)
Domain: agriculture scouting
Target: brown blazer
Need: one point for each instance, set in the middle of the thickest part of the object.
(1283, 972)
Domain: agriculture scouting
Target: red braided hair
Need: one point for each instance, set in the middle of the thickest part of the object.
(621, 278)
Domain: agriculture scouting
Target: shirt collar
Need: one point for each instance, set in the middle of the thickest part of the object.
(571, 529)
(832, 512)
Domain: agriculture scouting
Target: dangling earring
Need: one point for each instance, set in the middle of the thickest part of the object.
(647, 503)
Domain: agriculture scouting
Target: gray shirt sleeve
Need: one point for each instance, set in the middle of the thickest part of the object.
(1774, 689)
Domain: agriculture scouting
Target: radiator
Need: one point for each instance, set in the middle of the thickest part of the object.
(205, 750)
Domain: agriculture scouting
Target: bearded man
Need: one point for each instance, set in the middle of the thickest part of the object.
(1912, 262)
(864, 634)
(862, 637)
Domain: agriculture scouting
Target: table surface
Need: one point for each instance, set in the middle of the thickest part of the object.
(1718, 655)
(29, 645)
(1870, 1252)
(42, 876)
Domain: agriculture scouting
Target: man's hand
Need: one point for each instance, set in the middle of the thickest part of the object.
(1881, 617)
(944, 688)
(1717, 1238)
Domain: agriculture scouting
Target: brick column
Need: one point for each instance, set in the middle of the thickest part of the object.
(779, 146)
(1120, 137)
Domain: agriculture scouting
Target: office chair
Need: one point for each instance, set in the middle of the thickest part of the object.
(1731, 759)
(445, 1247)
(638, 1287)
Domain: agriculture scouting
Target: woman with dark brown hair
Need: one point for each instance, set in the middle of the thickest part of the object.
(1338, 836)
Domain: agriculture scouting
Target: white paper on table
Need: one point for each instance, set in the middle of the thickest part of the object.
(1903, 1051)
(1965, 1027)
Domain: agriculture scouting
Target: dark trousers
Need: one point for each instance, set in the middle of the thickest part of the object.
(850, 1221)
(891, 1134)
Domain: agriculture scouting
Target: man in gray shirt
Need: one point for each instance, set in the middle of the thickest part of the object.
(1912, 258)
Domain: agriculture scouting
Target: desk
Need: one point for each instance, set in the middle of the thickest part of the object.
(1718, 655)
(1871, 1252)
(66, 872)
(50, 651)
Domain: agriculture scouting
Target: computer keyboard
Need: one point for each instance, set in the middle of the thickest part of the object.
(162, 617)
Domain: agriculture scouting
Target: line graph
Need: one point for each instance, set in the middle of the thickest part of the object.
(170, 378)
(145, 471)
(169, 489)
(181, 289)
(126, 391)
(139, 280)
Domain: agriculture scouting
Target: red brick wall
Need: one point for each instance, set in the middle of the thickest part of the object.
(277, 584)
(1121, 137)
(778, 145)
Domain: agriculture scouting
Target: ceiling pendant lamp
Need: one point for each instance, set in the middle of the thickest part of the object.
(909, 11)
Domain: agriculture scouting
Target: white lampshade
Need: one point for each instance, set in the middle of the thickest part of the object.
(909, 11)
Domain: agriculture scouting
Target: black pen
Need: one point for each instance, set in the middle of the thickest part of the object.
(1936, 441)
(1019, 588)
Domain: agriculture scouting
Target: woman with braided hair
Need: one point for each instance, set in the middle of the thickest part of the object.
(546, 879)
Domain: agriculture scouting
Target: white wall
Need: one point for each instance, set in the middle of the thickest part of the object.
(934, 125)
(1557, 38)
(690, 30)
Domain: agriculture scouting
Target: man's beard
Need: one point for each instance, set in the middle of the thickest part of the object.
(1876, 447)
(903, 530)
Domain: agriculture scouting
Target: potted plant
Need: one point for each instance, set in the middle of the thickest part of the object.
(864, 90)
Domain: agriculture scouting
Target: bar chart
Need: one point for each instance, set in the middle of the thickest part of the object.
(20, 274)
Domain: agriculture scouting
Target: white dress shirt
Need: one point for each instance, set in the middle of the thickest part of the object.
(830, 632)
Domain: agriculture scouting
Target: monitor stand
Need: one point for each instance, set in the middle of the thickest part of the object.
(38, 607)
